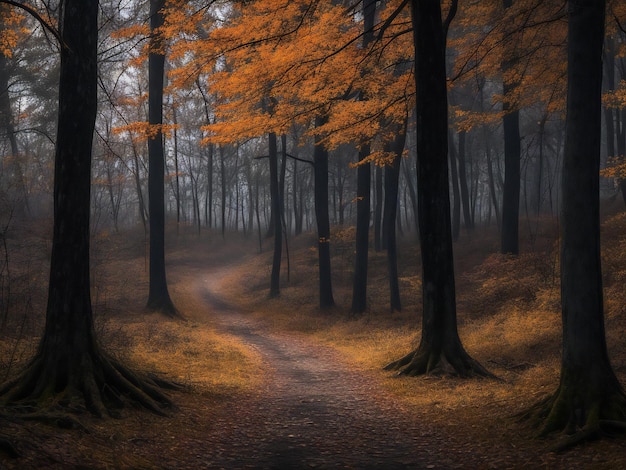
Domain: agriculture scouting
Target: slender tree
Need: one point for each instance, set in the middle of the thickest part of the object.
(589, 397)
(440, 342)
(158, 295)
(509, 242)
(359, 285)
(276, 220)
(69, 366)
(320, 162)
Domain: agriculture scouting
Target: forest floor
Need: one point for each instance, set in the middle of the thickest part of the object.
(275, 383)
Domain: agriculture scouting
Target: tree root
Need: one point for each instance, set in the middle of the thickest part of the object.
(98, 384)
(576, 420)
(422, 362)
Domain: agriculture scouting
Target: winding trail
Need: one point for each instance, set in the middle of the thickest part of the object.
(313, 410)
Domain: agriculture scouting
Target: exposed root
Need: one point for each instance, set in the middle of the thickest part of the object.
(98, 384)
(421, 362)
(575, 419)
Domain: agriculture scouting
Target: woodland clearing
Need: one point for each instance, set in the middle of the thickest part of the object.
(275, 383)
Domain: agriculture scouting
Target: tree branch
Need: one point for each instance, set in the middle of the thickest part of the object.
(31, 11)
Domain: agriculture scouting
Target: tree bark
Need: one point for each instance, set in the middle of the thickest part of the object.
(320, 158)
(589, 393)
(378, 207)
(158, 296)
(69, 367)
(275, 201)
(509, 240)
(392, 178)
(359, 285)
(440, 342)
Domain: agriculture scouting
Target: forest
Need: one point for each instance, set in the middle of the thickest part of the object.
(297, 233)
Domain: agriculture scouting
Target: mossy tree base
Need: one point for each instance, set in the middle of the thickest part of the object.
(579, 414)
(52, 391)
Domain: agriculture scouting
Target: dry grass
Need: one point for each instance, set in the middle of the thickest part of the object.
(508, 309)
(509, 320)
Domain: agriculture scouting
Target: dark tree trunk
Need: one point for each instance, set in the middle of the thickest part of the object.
(223, 182)
(359, 284)
(297, 204)
(275, 201)
(440, 342)
(320, 158)
(69, 365)
(378, 207)
(158, 296)
(509, 240)
(392, 178)
(589, 393)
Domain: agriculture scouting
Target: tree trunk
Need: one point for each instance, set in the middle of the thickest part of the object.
(378, 207)
(509, 240)
(440, 342)
(359, 285)
(275, 201)
(589, 393)
(69, 367)
(320, 158)
(158, 296)
(392, 178)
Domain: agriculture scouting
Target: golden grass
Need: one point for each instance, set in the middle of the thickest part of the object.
(508, 309)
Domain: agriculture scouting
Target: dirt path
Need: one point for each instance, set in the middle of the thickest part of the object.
(313, 410)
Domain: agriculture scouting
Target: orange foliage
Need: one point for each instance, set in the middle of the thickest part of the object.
(11, 28)
(273, 64)
(529, 37)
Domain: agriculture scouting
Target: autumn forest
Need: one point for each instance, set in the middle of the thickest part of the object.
(296, 233)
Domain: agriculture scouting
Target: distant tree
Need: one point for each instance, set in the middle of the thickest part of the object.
(392, 179)
(69, 365)
(158, 295)
(440, 342)
(589, 398)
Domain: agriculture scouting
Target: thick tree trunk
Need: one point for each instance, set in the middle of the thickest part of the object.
(320, 158)
(158, 295)
(440, 342)
(68, 365)
(589, 393)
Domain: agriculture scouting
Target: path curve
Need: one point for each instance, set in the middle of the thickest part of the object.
(314, 410)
